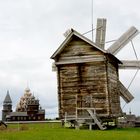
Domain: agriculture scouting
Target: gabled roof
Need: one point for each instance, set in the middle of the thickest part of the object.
(7, 98)
(68, 39)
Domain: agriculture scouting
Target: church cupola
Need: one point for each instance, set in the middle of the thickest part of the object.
(7, 106)
(7, 99)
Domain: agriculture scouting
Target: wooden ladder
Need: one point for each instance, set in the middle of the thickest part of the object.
(96, 120)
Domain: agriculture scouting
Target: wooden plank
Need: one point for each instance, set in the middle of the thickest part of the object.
(123, 40)
(100, 32)
(81, 60)
(85, 108)
(81, 49)
(124, 93)
(65, 58)
(134, 64)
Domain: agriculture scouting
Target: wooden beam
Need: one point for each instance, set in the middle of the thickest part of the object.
(100, 32)
(85, 108)
(81, 59)
(123, 40)
(127, 64)
(124, 93)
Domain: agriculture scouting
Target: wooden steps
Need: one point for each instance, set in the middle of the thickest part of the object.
(94, 117)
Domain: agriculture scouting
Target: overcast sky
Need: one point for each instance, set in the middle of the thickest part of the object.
(31, 30)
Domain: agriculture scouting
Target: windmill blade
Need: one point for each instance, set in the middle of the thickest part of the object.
(124, 93)
(127, 64)
(100, 32)
(123, 40)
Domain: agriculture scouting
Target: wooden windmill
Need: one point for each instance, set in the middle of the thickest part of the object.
(87, 74)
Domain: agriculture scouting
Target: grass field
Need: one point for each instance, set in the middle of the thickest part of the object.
(53, 131)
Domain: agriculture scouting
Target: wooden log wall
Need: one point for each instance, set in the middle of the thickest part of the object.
(82, 80)
(83, 72)
(114, 97)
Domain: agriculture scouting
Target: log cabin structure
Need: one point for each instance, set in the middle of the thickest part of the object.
(87, 74)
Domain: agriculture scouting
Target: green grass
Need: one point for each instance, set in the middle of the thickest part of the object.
(53, 131)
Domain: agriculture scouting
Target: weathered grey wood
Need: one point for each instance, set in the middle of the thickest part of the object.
(68, 39)
(123, 40)
(130, 64)
(77, 47)
(67, 32)
(85, 108)
(124, 93)
(83, 70)
(113, 95)
(81, 57)
(96, 120)
(80, 60)
(100, 32)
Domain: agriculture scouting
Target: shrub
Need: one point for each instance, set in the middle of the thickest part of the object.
(23, 127)
(2, 127)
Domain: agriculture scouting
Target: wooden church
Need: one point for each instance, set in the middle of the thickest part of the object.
(87, 74)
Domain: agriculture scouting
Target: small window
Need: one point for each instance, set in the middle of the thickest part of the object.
(13, 118)
(18, 118)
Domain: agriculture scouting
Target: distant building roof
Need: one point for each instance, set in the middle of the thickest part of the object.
(131, 117)
(138, 119)
(7, 98)
(18, 114)
(41, 111)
